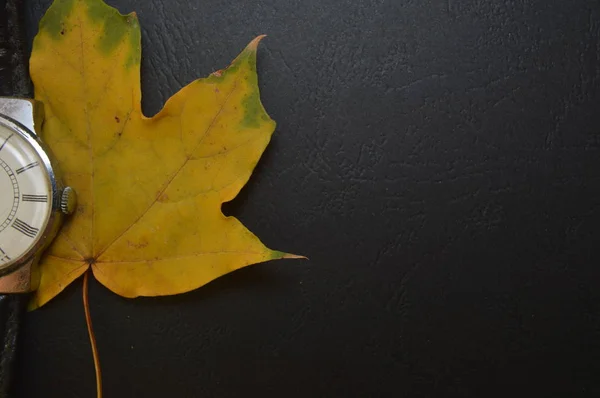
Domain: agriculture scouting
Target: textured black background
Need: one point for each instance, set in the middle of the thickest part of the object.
(438, 161)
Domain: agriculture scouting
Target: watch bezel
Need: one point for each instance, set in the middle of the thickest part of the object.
(55, 217)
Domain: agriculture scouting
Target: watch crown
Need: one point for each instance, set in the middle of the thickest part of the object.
(68, 201)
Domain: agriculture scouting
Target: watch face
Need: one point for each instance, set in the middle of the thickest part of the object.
(25, 196)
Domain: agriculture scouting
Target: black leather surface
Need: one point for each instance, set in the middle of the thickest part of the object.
(439, 163)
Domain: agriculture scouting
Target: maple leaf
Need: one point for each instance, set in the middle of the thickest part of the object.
(150, 190)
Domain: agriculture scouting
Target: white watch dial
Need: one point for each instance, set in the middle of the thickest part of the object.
(25, 196)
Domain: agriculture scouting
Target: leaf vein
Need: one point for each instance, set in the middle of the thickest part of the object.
(220, 252)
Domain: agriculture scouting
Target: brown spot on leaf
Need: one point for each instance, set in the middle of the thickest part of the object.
(139, 245)
(163, 197)
(117, 119)
(218, 73)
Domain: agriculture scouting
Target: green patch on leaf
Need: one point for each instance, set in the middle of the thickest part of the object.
(53, 20)
(116, 27)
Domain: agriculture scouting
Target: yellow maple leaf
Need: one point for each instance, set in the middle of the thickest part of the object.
(150, 190)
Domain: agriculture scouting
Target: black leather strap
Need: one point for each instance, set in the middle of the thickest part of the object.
(12, 307)
(14, 72)
(14, 81)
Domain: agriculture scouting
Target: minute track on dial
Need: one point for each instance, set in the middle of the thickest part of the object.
(11, 180)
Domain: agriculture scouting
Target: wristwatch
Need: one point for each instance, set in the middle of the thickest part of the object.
(32, 198)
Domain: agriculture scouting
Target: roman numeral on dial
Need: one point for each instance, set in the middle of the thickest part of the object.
(3, 255)
(5, 141)
(35, 198)
(25, 168)
(25, 228)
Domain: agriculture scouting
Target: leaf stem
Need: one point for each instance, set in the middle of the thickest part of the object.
(88, 321)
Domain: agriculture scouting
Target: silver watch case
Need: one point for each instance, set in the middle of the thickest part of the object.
(24, 117)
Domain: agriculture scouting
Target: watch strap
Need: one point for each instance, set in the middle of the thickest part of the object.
(14, 82)
(12, 307)
(14, 71)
